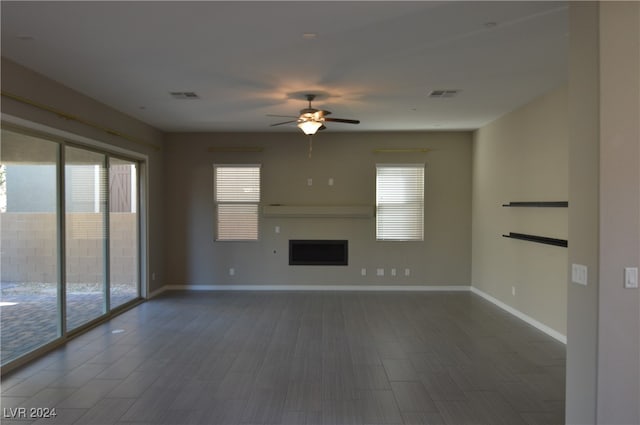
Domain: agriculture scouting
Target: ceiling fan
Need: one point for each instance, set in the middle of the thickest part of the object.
(311, 120)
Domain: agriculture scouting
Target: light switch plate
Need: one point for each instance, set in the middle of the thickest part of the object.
(630, 277)
(579, 274)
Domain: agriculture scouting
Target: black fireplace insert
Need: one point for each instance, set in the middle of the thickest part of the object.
(320, 252)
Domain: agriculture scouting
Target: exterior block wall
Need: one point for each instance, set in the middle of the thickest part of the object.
(29, 248)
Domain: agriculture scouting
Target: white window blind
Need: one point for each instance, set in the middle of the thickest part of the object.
(400, 202)
(237, 199)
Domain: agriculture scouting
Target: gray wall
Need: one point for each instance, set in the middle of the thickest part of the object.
(619, 322)
(523, 157)
(582, 303)
(603, 318)
(193, 258)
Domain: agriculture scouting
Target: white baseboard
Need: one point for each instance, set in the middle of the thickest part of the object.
(314, 288)
(388, 288)
(520, 315)
(157, 292)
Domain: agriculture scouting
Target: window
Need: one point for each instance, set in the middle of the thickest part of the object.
(237, 198)
(400, 202)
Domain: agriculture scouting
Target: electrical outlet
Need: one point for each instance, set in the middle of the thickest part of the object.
(232, 271)
(309, 182)
(330, 181)
(513, 291)
(380, 272)
(393, 272)
(277, 229)
(363, 272)
(407, 272)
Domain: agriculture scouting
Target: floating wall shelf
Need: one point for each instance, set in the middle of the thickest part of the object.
(539, 204)
(533, 238)
(318, 211)
(539, 239)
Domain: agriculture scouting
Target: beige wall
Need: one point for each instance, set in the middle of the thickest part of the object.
(146, 141)
(522, 157)
(193, 258)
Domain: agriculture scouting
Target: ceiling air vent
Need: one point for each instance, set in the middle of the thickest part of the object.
(439, 94)
(184, 95)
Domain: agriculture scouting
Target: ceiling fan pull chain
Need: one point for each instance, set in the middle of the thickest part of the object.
(310, 145)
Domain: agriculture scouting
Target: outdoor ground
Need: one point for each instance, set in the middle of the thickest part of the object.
(29, 312)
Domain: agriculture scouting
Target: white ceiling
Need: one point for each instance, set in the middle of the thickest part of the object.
(373, 61)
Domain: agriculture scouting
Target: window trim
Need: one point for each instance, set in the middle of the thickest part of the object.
(421, 166)
(216, 203)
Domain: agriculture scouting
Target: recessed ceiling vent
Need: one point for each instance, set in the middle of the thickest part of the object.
(439, 94)
(184, 95)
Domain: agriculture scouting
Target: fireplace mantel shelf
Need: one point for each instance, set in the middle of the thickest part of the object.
(318, 211)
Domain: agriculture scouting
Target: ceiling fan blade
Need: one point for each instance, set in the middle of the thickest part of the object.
(283, 116)
(324, 112)
(344, 120)
(284, 122)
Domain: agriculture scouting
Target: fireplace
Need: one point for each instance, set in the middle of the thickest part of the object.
(320, 252)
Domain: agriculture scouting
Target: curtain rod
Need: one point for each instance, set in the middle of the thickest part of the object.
(235, 149)
(71, 117)
(402, 150)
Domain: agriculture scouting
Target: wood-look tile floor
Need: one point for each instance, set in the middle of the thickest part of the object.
(300, 358)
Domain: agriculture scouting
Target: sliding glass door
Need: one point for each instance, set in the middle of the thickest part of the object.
(86, 235)
(29, 270)
(69, 219)
(123, 232)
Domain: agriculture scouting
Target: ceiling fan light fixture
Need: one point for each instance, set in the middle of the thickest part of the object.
(309, 127)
